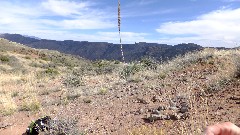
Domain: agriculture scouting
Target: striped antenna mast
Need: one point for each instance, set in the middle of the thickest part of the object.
(119, 29)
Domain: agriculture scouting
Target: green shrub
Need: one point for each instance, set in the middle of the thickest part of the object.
(236, 60)
(103, 67)
(162, 75)
(11, 61)
(73, 81)
(130, 70)
(73, 96)
(27, 57)
(4, 58)
(149, 63)
(35, 64)
(103, 91)
(51, 71)
(15, 94)
(116, 62)
(30, 106)
(45, 58)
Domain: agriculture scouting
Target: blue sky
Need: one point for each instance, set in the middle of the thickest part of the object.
(205, 22)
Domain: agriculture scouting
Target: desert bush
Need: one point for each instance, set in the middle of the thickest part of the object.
(35, 64)
(27, 57)
(162, 75)
(103, 91)
(236, 62)
(64, 59)
(20, 69)
(181, 62)
(73, 96)
(116, 62)
(103, 67)
(15, 94)
(130, 70)
(149, 63)
(7, 105)
(4, 58)
(16, 65)
(51, 71)
(30, 104)
(87, 69)
(11, 61)
(44, 57)
(63, 126)
(48, 65)
(73, 81)
(228, 66)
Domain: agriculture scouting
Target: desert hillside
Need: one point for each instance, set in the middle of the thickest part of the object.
(105, 50)
(149, 97)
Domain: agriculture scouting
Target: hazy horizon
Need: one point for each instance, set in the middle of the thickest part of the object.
(212, 23)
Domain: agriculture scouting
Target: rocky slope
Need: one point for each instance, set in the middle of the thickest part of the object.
(181, 96)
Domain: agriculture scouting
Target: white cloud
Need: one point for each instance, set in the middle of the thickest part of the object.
(62, 20)
(221, 25)
(52, 14)
(65, 8)
(73, 24)
(81, 15)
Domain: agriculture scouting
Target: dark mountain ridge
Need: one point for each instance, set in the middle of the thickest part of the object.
(105, 50)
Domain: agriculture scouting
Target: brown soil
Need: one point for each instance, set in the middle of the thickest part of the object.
(125, 106)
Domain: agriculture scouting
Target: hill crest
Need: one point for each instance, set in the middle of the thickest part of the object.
(107, 51)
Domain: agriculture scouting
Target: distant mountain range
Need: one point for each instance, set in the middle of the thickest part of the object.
(104, 50)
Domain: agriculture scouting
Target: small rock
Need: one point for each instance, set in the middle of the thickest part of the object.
(155, 117)
(183, 104)
(166, 117)
(140, 111)
(173, 108)
(161, 108)
(175, 117)
(41, 85)
(184, 109)
(142, 100)
(156, 112)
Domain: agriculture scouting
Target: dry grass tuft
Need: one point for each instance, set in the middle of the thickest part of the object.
(7, 104)
(30, 104)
